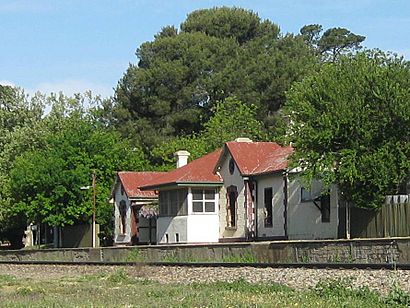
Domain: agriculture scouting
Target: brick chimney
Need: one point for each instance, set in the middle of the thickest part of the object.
(182, 158)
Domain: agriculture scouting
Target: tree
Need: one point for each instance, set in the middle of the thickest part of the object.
(219, 52)
(224, 22)
(232, 119)
(350, 126)
(45, 183)
(333, 42)
(19, 122)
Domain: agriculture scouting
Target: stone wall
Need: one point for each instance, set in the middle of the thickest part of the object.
(394, 250)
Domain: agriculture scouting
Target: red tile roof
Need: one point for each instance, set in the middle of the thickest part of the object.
(254, 158)
(133, 180)
(197, 171)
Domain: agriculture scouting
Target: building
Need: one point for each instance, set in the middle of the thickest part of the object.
(135, 211)
(243, 191)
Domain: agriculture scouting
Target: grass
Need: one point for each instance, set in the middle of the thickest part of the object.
(118, 289)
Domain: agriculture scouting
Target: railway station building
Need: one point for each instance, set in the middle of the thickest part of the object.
(241, 192)
(135, 211)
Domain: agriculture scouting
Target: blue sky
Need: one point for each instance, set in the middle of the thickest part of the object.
(75, 45)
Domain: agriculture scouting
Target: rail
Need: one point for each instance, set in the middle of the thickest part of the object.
(388, 266)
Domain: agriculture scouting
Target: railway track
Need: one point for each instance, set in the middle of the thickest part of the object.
(387, 266)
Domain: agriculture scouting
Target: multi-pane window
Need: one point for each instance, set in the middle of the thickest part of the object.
(203, 200)
(173, 202)
(268, 197)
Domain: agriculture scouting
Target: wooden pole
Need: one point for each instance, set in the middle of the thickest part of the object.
(94, 209)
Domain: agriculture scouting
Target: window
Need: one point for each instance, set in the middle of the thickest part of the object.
(231, 166)
(123, 215)
(203, 200)
(173, 202)
(325, 207)
(268, 197)
(232, 195)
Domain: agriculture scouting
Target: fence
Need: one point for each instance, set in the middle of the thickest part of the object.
(391, 220)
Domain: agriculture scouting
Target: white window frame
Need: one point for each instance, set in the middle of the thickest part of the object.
(204, 201)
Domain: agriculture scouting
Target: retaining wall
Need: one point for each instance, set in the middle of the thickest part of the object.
(393, 250)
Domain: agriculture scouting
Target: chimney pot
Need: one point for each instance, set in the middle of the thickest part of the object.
(182, 157)
(243, 139)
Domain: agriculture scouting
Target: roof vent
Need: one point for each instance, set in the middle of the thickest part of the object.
(241, 139)
(182, 158)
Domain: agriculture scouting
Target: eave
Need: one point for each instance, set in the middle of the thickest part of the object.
(181, 184)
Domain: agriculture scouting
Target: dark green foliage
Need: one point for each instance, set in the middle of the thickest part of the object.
(231, 119)
(333, 42)
(311, 33)
(349, 125)
(218, 53)
(239, 24)
(336, 40)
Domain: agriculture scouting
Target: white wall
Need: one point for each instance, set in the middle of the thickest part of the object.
(275, 181)
(304, 218)
(203, 228)
(192, 228)
(237, 180)
(172, 226)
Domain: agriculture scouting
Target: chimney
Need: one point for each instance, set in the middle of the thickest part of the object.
(243, 139)
(182, 157)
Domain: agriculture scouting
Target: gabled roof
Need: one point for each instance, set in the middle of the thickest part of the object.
(198, 171)
(131, 182)
(253, 158)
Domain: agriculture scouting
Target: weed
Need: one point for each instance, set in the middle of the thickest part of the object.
(304, 259)
(134, 256)
(342, 288)
(243, 286)
(7, 280)
(25, 291)
(247, 257)
(397, 296)
(119, 276)
(170, 258)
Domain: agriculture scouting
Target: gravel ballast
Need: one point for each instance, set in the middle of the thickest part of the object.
(381, 281)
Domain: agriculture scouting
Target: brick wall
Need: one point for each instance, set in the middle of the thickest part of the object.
(395, 250)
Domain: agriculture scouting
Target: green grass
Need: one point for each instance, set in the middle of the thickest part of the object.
(118, 289)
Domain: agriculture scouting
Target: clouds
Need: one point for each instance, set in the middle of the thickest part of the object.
(72, 86)
(69, 87)
(6, 83)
